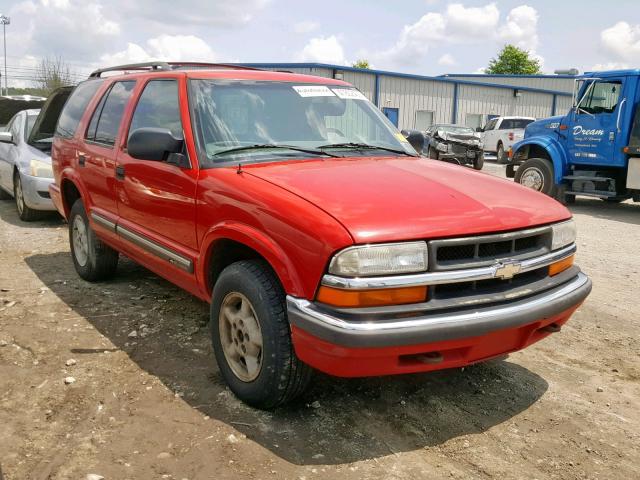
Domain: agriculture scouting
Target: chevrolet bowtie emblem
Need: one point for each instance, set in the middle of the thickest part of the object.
(505, 271)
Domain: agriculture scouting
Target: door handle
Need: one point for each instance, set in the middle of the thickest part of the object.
(82, 160)
(120, 172)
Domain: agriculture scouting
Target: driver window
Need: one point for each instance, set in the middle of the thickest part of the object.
(601, 97)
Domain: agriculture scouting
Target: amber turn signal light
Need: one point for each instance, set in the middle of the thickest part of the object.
(371, 298)
(561, 266)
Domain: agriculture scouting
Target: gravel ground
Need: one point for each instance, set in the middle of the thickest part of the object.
(143, 398)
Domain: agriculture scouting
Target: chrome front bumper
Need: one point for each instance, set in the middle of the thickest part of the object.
(434, 327)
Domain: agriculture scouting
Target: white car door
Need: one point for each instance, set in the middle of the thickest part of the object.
(489, 135)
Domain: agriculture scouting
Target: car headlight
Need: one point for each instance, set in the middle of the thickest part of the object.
(382, 259)
(442, 147)
(38, 168)
(563, 234)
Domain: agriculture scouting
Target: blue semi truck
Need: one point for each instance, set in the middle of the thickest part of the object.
(594, 150)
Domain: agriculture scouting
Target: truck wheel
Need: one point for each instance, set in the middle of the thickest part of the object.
(500, 155)
(25, 213)
(536, 173)
(433, 153)
(478, 162)
(251, 339)
(93, 259)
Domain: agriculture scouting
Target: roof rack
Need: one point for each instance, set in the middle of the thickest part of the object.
(166, 66)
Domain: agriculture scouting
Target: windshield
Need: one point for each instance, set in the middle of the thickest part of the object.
(455, 129)
(231, 117)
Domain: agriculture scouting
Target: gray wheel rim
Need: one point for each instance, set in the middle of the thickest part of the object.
(240, 336)
(533, 178)
(500, 152)
(79, 236)
(19, 196)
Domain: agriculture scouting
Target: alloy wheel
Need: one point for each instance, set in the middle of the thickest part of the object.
(80, 240)
(240, 336)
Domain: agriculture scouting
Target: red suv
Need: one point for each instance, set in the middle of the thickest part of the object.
(319, 236)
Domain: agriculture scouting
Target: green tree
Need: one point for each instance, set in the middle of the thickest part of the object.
(362, 63)
(515, 61)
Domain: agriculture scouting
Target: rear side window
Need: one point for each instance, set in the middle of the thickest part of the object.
(75, 107)
(105, 122)
(158, 107)
(513, 123)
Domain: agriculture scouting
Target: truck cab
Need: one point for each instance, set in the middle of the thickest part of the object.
(587, 151)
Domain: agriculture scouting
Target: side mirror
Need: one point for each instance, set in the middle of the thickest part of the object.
(6, 137)
(415, 138)
(156, 144)
(479, 129)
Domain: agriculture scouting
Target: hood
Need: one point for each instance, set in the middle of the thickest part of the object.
(466, 138)
(381, 199)
(543, 126)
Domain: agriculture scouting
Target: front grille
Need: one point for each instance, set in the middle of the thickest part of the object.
(494, 286)
(458, 149)
(483, 250)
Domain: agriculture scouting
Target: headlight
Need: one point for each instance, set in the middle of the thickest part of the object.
(563, 234)
(38, 168)
(441, 147)
(383, 259)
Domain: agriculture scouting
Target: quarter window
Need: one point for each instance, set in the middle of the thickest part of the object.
(158, 107)
(75, 107)
(103, 127)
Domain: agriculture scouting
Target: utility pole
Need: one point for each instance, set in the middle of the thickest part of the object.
(5, 21)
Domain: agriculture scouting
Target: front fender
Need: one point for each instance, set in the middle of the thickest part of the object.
(258, 241)
(553, 148)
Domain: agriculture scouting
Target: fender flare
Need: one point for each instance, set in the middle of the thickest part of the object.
(553, 148)
(70, 175)
(256, 240)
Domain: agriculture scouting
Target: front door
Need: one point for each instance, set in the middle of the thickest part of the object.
(391, 114)
(592, 135)
(156, 200)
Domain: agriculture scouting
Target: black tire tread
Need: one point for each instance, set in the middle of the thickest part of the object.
(546, 167)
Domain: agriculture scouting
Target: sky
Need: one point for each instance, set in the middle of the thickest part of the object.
(429, 37)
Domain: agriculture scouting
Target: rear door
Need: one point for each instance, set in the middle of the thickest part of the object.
(97, 157)
(156, 200)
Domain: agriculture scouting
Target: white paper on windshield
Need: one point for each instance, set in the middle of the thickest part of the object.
(313, 91)
(349, 93)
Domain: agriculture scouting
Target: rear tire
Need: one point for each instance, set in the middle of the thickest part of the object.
(536, 173)
(500, 154)
(25, 213)
(93, 259)
(251, 337)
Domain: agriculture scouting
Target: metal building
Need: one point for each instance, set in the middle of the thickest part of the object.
(417, 101)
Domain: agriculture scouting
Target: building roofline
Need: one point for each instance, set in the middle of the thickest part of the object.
(387, 73)
(509, 75)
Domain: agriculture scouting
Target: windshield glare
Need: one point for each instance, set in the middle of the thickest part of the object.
(231, 114)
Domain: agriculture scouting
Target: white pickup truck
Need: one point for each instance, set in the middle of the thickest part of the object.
(500, 133)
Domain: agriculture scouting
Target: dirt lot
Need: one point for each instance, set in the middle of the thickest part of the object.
(151, 404)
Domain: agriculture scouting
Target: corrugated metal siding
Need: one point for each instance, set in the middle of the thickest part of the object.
(546, 83)
(409, 95)
(563, 105)
(365, 82)
(497, 101)
(318, 72)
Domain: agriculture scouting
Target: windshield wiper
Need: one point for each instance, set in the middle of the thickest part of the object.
(364, 146)
(259, 146)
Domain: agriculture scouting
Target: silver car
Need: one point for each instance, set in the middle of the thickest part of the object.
(25, 167)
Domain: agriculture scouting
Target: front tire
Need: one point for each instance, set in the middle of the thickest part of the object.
(251, 339)
(501, 156)
(92, 258)
(25, 213)
(433, 154)
(536, 173)
(478, 162)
